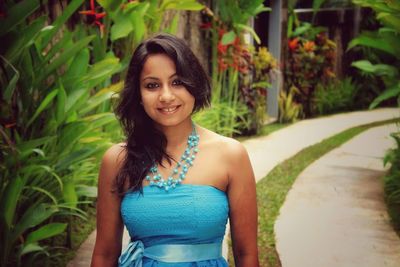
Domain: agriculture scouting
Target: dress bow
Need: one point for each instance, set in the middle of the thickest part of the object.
(132, 255)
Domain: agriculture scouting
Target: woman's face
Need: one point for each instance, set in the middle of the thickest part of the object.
(164, 98)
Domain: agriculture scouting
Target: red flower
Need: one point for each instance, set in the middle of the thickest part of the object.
(293, 44)
(222, 48)
(96, 17)
(206, 25)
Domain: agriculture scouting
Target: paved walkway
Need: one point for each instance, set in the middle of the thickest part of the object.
(267, 152)
(335, 214)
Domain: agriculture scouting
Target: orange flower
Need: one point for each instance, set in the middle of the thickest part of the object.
(293, 44)
(309, 46)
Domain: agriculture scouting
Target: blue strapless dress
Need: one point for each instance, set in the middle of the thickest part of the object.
(174, 222)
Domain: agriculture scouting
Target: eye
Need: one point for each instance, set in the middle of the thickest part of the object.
(177, 82)
(151, 85)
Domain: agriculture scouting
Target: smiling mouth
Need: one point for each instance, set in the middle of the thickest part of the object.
(168, 110)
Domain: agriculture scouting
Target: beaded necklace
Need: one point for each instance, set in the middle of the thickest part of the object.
(185, 162)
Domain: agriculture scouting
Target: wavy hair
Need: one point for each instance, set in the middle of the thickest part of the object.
(145, 145)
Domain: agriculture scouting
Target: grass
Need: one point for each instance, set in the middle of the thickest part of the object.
(272, 189)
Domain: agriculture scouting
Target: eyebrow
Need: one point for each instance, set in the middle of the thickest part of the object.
(155, 78)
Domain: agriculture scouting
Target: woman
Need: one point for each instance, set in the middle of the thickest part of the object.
(173, 183)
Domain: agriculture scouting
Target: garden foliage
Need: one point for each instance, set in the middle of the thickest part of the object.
(386, 40)
(237, 105)
(56, 121)
(336, 96)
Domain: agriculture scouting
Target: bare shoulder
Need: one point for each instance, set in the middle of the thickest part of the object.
(115, 154)
(230, 148)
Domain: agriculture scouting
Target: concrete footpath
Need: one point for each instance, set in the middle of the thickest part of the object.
(267, 152)
(335, 214)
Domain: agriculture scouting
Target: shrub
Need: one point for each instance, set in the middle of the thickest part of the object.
(334, 97)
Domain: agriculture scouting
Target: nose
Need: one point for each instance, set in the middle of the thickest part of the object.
(166, 94)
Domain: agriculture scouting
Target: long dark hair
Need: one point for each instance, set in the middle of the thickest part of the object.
(145, 145)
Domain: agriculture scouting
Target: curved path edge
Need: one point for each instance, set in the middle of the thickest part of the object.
(335, 213)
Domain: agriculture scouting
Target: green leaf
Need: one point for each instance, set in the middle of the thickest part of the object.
(77, 69)
(139, 26)
(174, 25)
(390, 20)
(110, 5)
(388, 93)
(121, 28)
(69, 193)
(76, 99)
(60, 21)
(60, 107)
(101, 119)
(385, 42)
(377, 69)
(95, 101)
(75, 157)
(18, 13)
(9, 91)
(251, 31)
(45, 103)
(185, 5)
(57, 48)
(69, 53)
(29, 248)
(34, 216)
(9, 200)
(34, 143)
(101, 71)
(25, 38)
(316, 6)
(228, 38)
(301, 29)
(46, 231)
(47, 193)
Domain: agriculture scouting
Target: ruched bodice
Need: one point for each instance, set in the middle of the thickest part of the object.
(188, 214)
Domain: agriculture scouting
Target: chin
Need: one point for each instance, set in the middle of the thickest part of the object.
(170, 122)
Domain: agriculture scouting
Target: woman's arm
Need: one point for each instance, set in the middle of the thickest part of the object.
(109, 223)
(243, 206)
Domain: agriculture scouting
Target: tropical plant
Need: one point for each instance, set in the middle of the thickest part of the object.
(231, 63)
(387, 40)
(310, 62)
(254, 88)
(392, 181)
(51, 128)
(123, 24)
(335, 96)
(289, 110)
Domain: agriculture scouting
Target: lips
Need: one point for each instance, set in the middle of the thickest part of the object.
(168, 110)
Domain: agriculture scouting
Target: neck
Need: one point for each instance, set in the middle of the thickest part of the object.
(177, 135)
